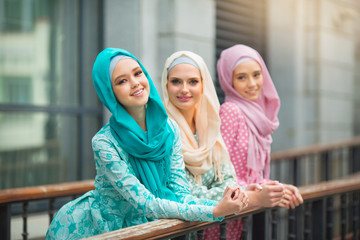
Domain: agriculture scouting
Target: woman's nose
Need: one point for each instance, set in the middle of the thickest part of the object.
(134, 83)
(251, 82)
(184, 88)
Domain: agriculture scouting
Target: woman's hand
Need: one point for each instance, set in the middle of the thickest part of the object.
(269, 194)
(254, 187)
(285, 201)
(292, 197)
(234, 200)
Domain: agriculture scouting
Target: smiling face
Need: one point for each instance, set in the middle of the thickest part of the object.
(130, 85)
(248, 79)
(184, 86)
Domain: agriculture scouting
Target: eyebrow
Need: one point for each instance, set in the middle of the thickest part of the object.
(123, 75)
(241, 73)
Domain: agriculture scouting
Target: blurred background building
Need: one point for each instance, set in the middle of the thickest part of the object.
(49, 110)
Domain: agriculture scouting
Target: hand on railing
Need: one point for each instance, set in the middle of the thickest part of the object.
(234, 200)
(269, 194)
(292, 197)
(318, 193)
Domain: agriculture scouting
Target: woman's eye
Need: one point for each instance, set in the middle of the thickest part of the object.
(121, 81)
(175, 81)
(241, 77)
(193, 82)
(138, 73)
(257, 75)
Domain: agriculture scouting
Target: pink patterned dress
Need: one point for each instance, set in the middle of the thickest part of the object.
(235, 134)
(236, 137)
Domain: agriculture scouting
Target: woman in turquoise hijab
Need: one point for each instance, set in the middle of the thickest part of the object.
(140, 169)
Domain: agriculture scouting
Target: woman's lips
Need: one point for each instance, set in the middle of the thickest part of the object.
(254, 92)
(137, 92)
(184, 98)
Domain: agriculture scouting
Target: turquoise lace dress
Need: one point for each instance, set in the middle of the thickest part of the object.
(212, 188)
(120, 200)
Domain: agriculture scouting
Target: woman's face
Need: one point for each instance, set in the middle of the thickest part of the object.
(129, 84)
(184, 86)
(248, 79)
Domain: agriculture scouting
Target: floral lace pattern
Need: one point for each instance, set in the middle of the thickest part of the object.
(120, 200)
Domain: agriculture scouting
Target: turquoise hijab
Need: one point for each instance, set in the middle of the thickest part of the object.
(149, 151)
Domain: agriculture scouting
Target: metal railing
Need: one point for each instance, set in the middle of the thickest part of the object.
(51, 193)
(330, 158)
(315, 219)
(320, 217)
(317, 163)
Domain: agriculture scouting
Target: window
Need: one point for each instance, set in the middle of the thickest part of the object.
(239, 22)
(16, 90)
(49, 110)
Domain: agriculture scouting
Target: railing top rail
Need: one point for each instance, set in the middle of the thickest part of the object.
(338, 186)
(45, 191)
(160, 229)
(314, 149)
(74, 188)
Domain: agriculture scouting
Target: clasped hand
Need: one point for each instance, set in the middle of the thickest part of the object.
(234, 200)
(273, 194)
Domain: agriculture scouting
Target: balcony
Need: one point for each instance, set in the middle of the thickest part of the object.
(328, 177)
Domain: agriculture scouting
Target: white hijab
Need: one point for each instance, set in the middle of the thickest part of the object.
(210, 149)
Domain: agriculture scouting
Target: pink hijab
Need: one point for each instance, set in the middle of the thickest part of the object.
(261, 114)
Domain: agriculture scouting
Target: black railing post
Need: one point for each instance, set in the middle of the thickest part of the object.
(295, 216)
(24, 216)
(355, 217)
(307, 220)
(329, 218)
(326, 160)
(51, 209)
(299, 220)
(354, 159)
(318, 218)
(292, 224)
(258, 226)
(245, 228)
(268, 224)
(343, 204)
(292, 230)
(200, 234)
(296, 180)
(5, 219)
(223, 231)
(274, 223)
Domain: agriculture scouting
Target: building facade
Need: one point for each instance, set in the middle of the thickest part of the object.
(49, 110)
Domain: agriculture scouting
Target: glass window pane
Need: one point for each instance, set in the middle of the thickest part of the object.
(49, 110)
(40, 148)
(90, 126)
(39, 44)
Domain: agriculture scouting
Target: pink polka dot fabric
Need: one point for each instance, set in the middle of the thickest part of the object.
(233, 231)
(236, 136)
(260, 114)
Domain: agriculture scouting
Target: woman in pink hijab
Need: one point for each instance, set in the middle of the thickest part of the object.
(249, 116)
